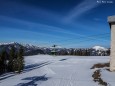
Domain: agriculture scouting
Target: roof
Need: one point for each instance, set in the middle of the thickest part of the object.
(111, 20)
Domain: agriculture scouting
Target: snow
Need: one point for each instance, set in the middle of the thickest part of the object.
(16, 43)
(46, 70)
(99, 48)
(108, 76)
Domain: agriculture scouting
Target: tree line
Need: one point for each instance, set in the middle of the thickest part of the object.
(83, 52)
(12, 61)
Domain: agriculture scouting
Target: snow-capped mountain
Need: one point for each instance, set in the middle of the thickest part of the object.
(10, 43)
(99, 48)
(34, 50)
(18, 45)
(100, 51)
(28, 48)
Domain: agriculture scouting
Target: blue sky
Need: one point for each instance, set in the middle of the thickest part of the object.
(67, 23)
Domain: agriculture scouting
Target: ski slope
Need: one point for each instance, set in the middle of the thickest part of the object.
(46, 70)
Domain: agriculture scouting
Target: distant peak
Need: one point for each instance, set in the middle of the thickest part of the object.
(99, 48)
(8, 43)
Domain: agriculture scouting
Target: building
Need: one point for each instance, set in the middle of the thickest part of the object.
(53, 51)
(111, 20)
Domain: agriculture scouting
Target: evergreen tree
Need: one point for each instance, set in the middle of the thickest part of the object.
(108, 52)
(80, 52)
(12, 63)
(20, 59)
(15, 65)
(11, 59)
(72, 51)
(3, 61)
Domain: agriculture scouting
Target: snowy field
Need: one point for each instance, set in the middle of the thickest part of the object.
(46, 70)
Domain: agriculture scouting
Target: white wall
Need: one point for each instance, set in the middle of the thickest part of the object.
(112, 59)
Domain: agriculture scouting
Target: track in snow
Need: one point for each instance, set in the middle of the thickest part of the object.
(56, 71)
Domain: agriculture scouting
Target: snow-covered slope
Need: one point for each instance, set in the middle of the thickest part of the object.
(46, 70)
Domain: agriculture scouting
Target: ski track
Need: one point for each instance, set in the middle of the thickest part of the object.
(46, 70)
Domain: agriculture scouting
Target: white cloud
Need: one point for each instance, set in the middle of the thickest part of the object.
(80, 9)
(32, 25)
(97, 19)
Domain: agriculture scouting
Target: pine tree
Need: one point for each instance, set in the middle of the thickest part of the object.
(3, 61)
(72, 52)
(11, 59)
(15, 65)
(20, 59)
(1, 64)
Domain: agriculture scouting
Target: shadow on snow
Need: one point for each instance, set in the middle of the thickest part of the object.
(62, 59)
(26, 69)
(33, 80)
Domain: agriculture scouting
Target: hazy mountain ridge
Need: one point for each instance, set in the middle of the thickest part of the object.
(29, 49)
(34, 50)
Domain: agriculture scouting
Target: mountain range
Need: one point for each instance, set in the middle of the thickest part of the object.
(34, 50)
